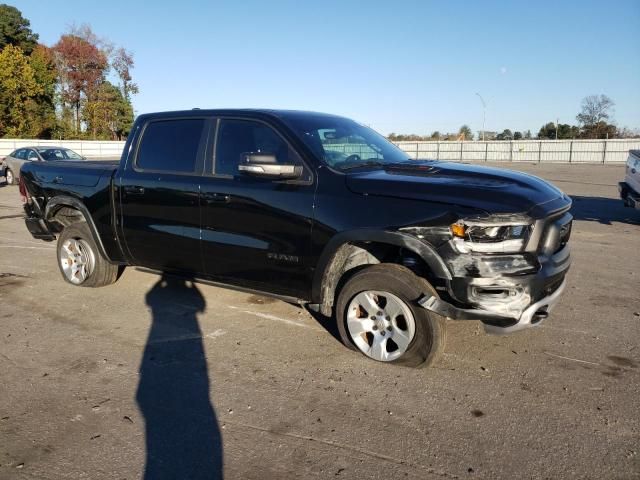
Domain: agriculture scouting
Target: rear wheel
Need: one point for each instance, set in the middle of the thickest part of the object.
(80, 261)
(9, 177)
(378, 314)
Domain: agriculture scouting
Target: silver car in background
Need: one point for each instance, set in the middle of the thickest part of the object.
(10, 165)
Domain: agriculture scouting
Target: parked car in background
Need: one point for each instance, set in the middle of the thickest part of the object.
(11, 164)
(630, 188)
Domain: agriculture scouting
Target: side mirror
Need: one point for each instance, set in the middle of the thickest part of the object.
(264, 165)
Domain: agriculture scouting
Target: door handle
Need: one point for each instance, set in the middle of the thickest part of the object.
(134, 190)
(216, 198)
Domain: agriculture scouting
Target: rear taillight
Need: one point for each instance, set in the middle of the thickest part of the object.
(23, 190)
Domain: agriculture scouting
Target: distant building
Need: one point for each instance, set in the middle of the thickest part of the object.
(487, 135)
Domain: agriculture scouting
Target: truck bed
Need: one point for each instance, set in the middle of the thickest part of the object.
(84, 173)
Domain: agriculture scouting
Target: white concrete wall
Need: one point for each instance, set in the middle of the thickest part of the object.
(541, 151)
(87, 148)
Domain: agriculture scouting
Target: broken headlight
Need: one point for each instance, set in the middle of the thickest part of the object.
(490, 236)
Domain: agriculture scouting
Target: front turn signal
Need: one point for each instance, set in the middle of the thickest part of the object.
(458, 230)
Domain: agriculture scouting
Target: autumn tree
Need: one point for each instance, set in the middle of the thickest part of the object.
(18, 86)
(16, 30)
(123, 63)
(82, 67)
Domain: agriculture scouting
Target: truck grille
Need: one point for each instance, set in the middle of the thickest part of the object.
(557, 232)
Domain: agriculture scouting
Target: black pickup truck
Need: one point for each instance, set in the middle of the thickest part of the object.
(314, 209)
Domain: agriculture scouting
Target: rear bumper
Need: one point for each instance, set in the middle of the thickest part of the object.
(629, 195)
(38, 229)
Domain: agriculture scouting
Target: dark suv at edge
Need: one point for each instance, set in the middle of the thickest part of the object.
(316, 209)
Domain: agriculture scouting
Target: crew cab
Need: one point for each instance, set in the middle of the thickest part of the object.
(315, 209)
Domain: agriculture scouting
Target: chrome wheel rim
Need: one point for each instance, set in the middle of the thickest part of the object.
(9, 176)
(380, 324)
(76, 260)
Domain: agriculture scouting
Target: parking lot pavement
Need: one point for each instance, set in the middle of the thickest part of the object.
(175, 378)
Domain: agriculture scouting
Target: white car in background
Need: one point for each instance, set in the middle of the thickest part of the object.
(10, 165)
(630, 188)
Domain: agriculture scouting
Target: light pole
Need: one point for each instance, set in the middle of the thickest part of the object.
(484, 113)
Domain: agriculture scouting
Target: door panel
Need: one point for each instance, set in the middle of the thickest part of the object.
(256, 232)
(160, 209)
(161, 220)
(259, 238)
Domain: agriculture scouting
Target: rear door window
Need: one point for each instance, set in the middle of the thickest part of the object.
(21, 154)
(170, 145)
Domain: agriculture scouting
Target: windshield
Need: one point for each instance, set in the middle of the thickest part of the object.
(344, 144)
(58, 154)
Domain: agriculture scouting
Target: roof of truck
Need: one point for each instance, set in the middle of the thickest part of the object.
(279, 113)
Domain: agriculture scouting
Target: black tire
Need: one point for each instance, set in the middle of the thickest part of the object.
(430, 330)
(9, 177)
(101, 272)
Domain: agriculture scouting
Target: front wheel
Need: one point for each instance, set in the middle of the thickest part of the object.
(9, 177)
(378, 314)
(80, 261)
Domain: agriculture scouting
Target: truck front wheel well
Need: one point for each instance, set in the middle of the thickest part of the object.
(352, 257)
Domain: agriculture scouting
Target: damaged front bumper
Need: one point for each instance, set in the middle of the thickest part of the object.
(494, 322)
(508, 292)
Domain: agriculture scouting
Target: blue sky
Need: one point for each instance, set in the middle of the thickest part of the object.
(401, 66)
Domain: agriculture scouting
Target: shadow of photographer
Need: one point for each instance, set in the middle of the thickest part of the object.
(182, 434)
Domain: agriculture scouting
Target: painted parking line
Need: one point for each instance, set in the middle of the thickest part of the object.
(267, 316)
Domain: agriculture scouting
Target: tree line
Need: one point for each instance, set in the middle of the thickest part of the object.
(79, 88)
(595, 121)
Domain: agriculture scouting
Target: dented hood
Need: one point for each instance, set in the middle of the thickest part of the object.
(493, 190)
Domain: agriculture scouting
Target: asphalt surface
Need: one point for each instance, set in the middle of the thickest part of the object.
(178, 381)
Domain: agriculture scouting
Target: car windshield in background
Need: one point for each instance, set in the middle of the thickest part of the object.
(59, 154)
(344, 144)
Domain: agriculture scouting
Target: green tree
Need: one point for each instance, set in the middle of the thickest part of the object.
(465, 133)
(505, 135)
(547, 131)
(16, 30)
(517, 135)
(565, 131)
(18, 86)
(108, 115)
(601, 129)
(595, 113)
(41, 108)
